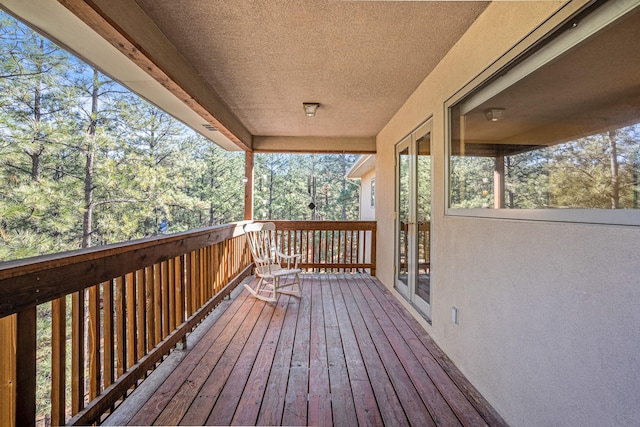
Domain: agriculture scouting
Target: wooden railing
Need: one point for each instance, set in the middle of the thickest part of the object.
(335, 246)
(130, 304)
(114, 312)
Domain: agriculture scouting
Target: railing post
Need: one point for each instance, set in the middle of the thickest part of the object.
(374, 233)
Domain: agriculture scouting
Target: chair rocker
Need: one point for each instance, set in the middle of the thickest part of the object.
(271, 265)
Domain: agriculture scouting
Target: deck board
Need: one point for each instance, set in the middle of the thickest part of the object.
(345, 353)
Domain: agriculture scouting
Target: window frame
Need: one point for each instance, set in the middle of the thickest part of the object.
(542, 45)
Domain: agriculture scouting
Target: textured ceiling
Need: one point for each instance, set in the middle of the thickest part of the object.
(359, 59)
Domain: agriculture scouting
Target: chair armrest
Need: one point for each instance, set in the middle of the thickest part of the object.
(288, 258)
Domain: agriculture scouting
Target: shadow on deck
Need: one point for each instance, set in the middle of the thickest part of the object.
(345, 353)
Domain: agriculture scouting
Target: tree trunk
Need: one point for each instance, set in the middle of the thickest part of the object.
(36, 167)
(615, 176)
(272, 166)
(87, 220)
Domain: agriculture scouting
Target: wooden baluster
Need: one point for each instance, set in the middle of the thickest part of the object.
(58, 361)
(77, 351)
(94, 342)
(171, 280)
(227, 274)
(308, 250)
(150, 307)
(211, 274)
(189, 284)
(196, 280)
(373, 250)
(215, 265)
(234, 256)
(164, 275)
(157, 303)
(178, 270)
(8, 381)
(109, 337)
(202, 279)
(314, 260)
(131, 320)
(363, 249)
(120, 326)
(141, 306)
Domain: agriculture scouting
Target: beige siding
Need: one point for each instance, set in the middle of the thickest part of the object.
(549, 315)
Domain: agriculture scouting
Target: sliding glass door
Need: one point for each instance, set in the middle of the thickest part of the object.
(413, 218)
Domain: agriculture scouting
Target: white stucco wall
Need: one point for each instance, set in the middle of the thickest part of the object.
(367, 213)
(549, 312)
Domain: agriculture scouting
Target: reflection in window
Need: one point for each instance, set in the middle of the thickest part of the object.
(566, 135)
(373, 192)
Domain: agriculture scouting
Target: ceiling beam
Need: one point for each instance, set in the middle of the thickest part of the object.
(125, 25)
(310, 144)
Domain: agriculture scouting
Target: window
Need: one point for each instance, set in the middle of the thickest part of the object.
(560, 129)
(373, 192)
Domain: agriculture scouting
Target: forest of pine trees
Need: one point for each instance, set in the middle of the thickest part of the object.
(84, 162)
(600, 171)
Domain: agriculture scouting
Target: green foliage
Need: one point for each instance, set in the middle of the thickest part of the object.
(285, 185)
(600, 171)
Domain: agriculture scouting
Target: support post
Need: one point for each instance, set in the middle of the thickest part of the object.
(248, 185)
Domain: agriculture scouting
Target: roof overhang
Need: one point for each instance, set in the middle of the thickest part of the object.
(97, 46)
(237, 72)
(361, 167)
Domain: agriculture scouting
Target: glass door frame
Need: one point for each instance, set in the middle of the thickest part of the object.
(409, 290)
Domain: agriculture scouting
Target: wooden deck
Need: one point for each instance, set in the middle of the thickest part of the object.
(345, 353)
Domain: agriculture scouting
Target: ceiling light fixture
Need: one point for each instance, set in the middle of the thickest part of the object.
(494, 114)
(310, 108)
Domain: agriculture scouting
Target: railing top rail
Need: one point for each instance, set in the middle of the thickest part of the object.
(28, 282)
(31, 281)
(27, 265)
(324, 225)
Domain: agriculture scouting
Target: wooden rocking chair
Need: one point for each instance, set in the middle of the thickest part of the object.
(271, 264)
